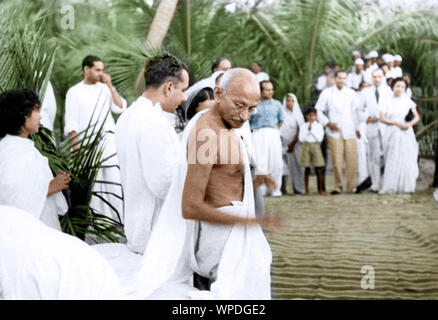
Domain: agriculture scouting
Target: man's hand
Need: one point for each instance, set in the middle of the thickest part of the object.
(291, 147)
(264, 179)
(372, 120)
(402, 126)
(333, 126)
(310, 126)
(106, 78)
(59, 183)
(273, 223)
(358, 135)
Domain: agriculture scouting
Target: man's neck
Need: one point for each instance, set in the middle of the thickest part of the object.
(265, 99)
(340, 89)
(153, 95)
(87, 81)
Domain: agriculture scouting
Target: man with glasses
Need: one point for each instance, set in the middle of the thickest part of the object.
(265, 125)
(207, 226)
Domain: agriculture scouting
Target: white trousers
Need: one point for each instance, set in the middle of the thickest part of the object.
(374, 156)
(269, 158)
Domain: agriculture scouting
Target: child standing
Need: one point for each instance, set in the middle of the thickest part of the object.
(311, 135)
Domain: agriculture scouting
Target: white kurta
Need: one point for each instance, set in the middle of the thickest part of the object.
(336, 106)
(321, 82)
(37, 262)
(48, 108)
(81, 102)
(362, 142)
(400, 148)
(168, 263)
(147, 146)
(24, 181)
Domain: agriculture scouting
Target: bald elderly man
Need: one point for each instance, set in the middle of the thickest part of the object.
(207, 224)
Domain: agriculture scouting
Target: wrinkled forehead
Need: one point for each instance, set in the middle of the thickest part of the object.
(245, 92)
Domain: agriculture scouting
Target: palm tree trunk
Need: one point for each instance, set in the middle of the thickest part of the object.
(157, 32)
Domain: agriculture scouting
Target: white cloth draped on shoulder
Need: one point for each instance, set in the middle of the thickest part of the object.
(24, 181)
(37, 262)
(166, 270)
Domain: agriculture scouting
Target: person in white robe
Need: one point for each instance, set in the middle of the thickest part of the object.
(400, 148)
(88, 103)
(224, 243)
(48, 108)
(147, 146)
(397, 71)
(293, 119)
(40, 263)
(321, 82)
(256, 67)
(355, 78)
(26, 180)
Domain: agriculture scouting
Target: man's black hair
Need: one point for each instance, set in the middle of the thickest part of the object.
(310, 110)
(339, 71)
(15, 105)
(262, 83)
(89, 61)
(162, 68)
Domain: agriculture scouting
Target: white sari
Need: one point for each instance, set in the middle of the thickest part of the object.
(167, 267)
(24, 181)
(400, 149)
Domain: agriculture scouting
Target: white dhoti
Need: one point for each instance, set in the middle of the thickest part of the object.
(242, 267)
(267, 143)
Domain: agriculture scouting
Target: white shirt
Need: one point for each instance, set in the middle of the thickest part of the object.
(397, 72)
(321, 83)
(354, 80)
(147, 147)
(87, 104)
(262, 76)
(48, 108)
(336, 106)
(315, 134)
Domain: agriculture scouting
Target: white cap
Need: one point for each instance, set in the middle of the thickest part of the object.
(388, 58)
(373, 54)
(358, 61)
(355, 53)
(397, 58)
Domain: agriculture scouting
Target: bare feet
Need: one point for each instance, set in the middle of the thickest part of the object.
(305, 193)
(323, 193)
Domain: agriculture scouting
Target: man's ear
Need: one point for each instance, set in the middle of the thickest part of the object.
(168, 88)
(218, 91)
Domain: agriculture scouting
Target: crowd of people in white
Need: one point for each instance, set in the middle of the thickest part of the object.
(363, 117)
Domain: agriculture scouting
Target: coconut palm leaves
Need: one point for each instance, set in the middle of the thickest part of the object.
(83, 165)
(26, 56)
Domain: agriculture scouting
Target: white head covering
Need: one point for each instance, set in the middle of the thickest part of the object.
(373, 54)
(388, 58)
(296, 110)
(355, 53)
(358, 61)
(397, 58)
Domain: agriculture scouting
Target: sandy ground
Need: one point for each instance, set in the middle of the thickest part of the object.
(392, 239)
